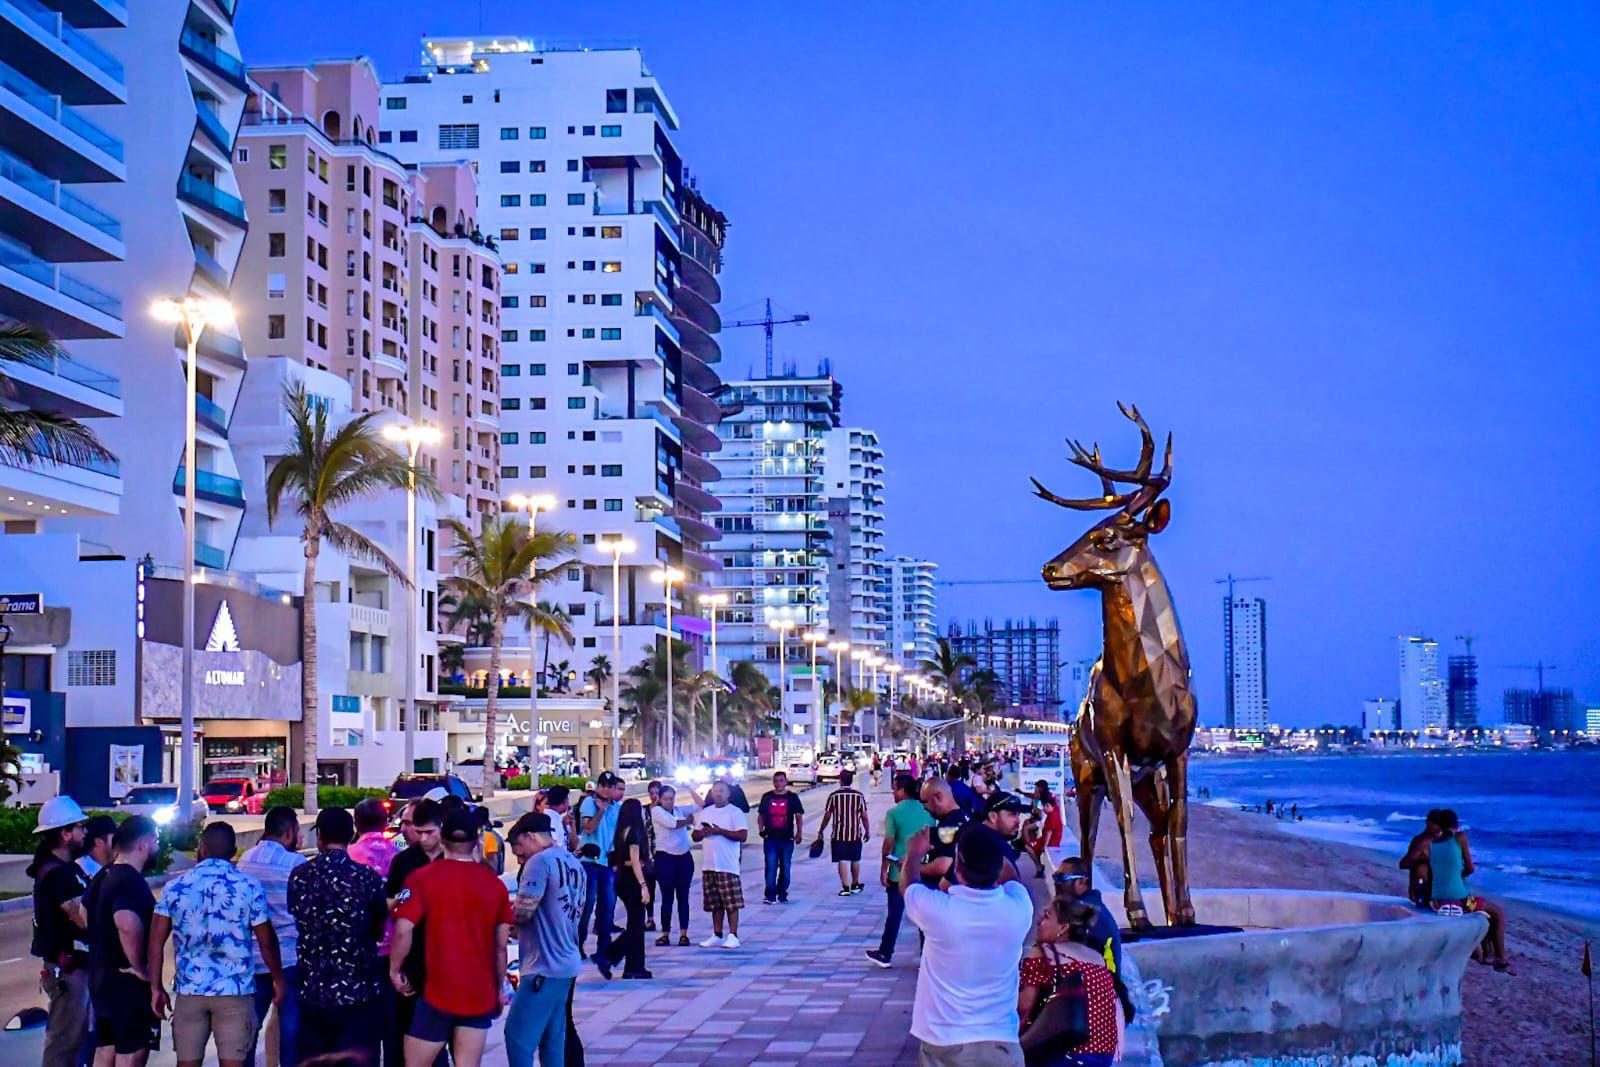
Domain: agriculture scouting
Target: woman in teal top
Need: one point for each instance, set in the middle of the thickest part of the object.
(1449, 864)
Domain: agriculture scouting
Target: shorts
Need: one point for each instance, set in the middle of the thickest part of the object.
(431, 1024)
(846, 851)
(723, 889)
(197, 1019)
(123, 1017)
(1467, 906)
(972, 1054)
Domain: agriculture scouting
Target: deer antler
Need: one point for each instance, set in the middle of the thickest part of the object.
(1149, 486)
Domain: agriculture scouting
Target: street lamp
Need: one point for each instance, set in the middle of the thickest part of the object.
(617, 546)
(872, 661)
(668, 577)
(814, 638)
(893, 670)
(533, 504)
(195, 314)
(838, 648)
(413, 436)
(713, 602)
(782, 626)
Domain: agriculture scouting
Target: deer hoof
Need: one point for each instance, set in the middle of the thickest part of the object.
(1139, 920)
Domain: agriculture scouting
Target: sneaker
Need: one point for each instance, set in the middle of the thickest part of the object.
(637, 976)
(878, 959)
(732, 941)
(714, 941)
(768, 900)
(783, 900)
(844, 892)
(858, 887)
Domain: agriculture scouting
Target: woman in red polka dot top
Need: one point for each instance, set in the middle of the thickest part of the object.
(1060, 951)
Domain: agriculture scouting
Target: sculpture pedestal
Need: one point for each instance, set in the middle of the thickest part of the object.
(1309, 980)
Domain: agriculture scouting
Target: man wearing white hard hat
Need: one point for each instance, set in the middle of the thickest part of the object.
(59, 922)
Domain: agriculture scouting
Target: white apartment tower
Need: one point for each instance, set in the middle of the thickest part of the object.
(777, 547)
(1244, 637)
(607, 310)
(858, 579)
(1422, 691)
(913, 611)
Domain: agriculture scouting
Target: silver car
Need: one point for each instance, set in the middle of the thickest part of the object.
(160, 802)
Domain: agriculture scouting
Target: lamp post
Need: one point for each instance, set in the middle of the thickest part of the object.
(668, 577)
(814, 638)
(838, 648)
(782, 626)
(714, 602)
(533, 504)
(413, 436)
(893, 671)
(194, 314)
(872, 661)
(616, 546)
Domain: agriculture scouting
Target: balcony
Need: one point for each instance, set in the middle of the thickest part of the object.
(209, 485)
(211, 125)
(61, 142)
(62, 225)
(36, 38)
(212, 415)
(64, 386)
(37, 291)
(208, 52)
(204, 194)
(209, 556)
(216, 344)
(211, 271)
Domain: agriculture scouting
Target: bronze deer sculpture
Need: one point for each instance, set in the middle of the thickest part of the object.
(1131, 738)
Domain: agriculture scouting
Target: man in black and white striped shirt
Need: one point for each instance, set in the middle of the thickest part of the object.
(846, 812)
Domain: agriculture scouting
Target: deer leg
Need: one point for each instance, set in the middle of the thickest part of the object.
(1119, 782)
(1177, 831)
(1151, 798)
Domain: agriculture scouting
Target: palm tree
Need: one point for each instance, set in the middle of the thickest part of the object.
(693, 689)
(855, 702)
(562, 681)
(467, 615)
(452, 658)
(754, 697)
(551, 620)
(503, 568)
(645, 690)
(599, 673)
(27, 435)
(322, 470)
(948, 667)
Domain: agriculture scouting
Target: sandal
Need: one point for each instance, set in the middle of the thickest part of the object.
(683, 939)
(664, 939)
(1504, 967)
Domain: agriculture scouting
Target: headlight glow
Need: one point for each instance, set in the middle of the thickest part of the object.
(163, 816)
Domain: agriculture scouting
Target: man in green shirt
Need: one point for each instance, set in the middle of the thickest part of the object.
(899, 826)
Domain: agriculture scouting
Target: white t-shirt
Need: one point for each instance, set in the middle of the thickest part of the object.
(720, 853)
(671, 838)
(967, 985)
(558, 827)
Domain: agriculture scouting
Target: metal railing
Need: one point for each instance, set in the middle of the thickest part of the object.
(15, 169)
(50, 105)
(108, 467)
(29, 265)
(208, 194)
(208, 52)
(209, 555)
(212, 124)
(212, 412)
(213, 483)
(64, 31)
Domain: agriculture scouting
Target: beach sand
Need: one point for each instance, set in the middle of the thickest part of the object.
(1537, 1015)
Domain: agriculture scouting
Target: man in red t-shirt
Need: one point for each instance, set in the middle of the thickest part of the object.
(468, 920)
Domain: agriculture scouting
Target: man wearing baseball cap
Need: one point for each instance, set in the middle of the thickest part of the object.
(59, 923)
(548, 901)
(466, 917)
(1003, 814)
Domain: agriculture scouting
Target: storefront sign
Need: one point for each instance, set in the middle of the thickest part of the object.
(231, 685)
(18, 715)
(215, 677)
(21, 603)
(127, 769)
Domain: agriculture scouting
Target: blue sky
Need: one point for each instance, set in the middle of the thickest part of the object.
(1347, 254)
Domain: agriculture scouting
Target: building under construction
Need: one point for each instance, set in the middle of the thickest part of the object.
(1024, 654)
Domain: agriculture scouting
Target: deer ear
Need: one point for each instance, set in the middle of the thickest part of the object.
(1156, 519)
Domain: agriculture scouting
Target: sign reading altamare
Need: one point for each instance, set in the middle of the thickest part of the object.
(246, 657)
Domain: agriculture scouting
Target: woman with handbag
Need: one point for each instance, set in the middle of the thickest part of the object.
(627, 860)
(1068, 1001)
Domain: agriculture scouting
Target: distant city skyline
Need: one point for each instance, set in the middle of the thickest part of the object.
(1349, 263)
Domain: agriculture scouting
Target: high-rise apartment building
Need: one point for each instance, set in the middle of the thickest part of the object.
(913, 612)
(607, 309)
(1461, 697)
(1079, 674)
(777, 549)
(858, 577)
(1422, 691)
(1024, 654)
(1244, 650)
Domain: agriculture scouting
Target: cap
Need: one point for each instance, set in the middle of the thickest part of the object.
(533, 822)
(58, 812)
(1003, 801)
(607, 779)
(461, 826)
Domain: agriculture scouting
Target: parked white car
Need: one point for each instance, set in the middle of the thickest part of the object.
(800, 769)
(828, 768)
(160, 802)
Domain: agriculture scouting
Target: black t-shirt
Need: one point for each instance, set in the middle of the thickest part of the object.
(737, 798)
(776, 815)
(116, 888)
(942, 839)
(406, 864)
(56, 938)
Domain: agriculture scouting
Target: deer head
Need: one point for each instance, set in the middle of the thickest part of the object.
(1112, 547)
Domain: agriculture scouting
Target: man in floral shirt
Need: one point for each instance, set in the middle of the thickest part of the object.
(213, 912)
(339, 908)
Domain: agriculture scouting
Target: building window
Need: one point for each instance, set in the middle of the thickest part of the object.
(616, 101)
(536, 200)
(508, 233)
(509, 302)
(458, 135)
(535, 133)
(510, 403)
(588, 264)
(588, 131)
(511, 370)
(535, 166)
(276, 285)
(576, 403)
(508, 472)
(277, 201)
(394, 103)
(508, 335)
(509, 437)
(536, 233)
(244, 155)
(610, 470)
(613, 503)
(509, 133)
(277, 156)
(611, 333)
(536, 472)
(611, 233)
(588, 333)
(536, 403)
(92, 666)
(536, 437)
(572, 166)
(511, 200)
(536, 335)
(385, 136)
(576, 199)
(408, 136)
(611, 131)
(510, 166)
(277, 245)
(572, 368)
(536, 370)
(275, 327)
(537, 300)
(610, 300)
(611, 266)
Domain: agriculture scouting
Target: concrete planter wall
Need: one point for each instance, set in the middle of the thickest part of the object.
(1324, 979)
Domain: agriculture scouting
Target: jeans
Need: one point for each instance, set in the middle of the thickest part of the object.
(629, 948)
(673, 877)
(345, 1028)
(67, 1032)
(599, 900)
(288, 1016)
(891, 922)
(537, 1022)
(779, 856)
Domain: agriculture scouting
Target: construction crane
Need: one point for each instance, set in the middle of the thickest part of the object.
(986, 581)
(1539, 667)
(1467, 639)
(767, 322)
(1230, 581)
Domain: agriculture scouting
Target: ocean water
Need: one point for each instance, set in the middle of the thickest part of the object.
(1533, 817)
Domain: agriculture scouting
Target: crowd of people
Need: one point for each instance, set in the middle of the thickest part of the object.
(396, 948)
